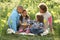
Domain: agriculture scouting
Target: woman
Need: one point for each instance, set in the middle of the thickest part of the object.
(47, 17)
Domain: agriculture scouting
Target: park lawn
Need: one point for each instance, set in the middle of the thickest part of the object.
(31, 6)
(5, 36)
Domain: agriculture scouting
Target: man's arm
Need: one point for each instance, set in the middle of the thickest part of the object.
(12, 20)
(14, 24)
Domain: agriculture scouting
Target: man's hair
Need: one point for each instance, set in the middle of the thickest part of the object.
(43, 7)
(20, 7)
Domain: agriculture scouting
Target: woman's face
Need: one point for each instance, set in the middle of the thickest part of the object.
(41, 11)
(24, 13)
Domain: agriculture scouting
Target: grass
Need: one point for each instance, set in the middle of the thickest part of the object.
(22, 37)
(31, 5)
(5, 36)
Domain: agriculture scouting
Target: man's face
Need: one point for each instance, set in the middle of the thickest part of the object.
(20, 10)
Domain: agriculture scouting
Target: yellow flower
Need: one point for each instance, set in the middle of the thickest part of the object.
(8, 14)
(3, 21)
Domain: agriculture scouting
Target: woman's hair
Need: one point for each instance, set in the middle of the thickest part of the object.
(40, 18)
(23, 11)
(26, 17)
(43, 6)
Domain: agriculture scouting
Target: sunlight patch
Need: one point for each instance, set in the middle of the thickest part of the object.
(57, 21)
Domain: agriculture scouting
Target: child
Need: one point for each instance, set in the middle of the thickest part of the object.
(24, 19)
(38, 26)
(47, 16)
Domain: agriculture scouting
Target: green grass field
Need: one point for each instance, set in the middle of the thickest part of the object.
(5, 36)
(6, 7)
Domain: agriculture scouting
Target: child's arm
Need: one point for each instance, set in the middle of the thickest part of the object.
(50, 22)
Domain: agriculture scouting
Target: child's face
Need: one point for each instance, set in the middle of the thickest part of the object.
(24, 13)
(20, 10)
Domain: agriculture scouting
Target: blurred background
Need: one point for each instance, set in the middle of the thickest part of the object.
(6, 7)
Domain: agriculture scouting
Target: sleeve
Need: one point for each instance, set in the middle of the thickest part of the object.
(14, 25)
(9, 24)
(50, 20)
(12, 21)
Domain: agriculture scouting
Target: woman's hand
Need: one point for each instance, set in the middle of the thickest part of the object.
(52, 31)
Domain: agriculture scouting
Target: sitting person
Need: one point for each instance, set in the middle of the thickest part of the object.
(47, 18)
(13, 20)
(24, 20)
(38, 26)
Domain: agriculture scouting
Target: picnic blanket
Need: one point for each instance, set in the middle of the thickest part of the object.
(9, 31)
(24, 33)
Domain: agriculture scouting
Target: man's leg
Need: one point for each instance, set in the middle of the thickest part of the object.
(18, 26)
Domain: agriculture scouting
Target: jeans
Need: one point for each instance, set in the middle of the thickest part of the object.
(36, 30)
(14, 28)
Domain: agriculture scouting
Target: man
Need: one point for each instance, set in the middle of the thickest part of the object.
(13, 20)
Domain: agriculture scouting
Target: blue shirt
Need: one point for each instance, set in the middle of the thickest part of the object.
(13, 20)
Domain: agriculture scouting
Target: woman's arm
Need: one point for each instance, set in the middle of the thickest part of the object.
(50, 22)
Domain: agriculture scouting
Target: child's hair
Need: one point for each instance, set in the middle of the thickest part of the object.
(26, 17)
(40, 18)
(43, 7)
